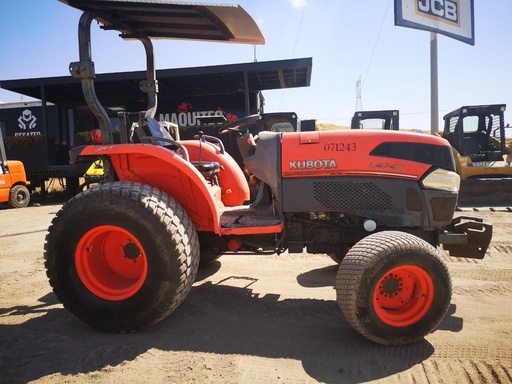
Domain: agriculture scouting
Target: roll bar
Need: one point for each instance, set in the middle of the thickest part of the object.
(84, 70)
(144, 19)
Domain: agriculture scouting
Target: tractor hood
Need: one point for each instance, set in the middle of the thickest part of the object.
(376, 153)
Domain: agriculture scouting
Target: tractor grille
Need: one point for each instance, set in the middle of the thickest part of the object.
(350, 196)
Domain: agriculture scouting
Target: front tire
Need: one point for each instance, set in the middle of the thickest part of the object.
(19, 196)
(393, 288)
(121, 256)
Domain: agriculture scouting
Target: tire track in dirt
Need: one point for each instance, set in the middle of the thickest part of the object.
(484, 290)
(484, 274)
(494, 251)
(498, 247)
(471, 371)
(499, 352)
(354, 370)
(462, 260)
(312, 329)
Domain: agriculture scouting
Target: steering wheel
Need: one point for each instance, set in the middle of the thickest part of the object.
(235, 126)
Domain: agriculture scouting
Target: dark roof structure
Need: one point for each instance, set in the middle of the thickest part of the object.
(117, 88)
(164, 19)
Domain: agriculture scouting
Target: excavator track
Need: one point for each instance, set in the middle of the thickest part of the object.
(484, 209)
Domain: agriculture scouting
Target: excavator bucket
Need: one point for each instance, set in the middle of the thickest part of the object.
(486, 192)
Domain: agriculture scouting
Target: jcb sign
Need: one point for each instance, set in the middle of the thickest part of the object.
(444, 9)
(452, 18)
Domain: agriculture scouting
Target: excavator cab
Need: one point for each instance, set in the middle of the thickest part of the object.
(477, 136)
(388, 119)
(477, 132)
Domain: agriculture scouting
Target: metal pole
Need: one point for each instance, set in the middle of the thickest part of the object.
(434, 90)
(246, 93)
(84, 70)
(150, 85)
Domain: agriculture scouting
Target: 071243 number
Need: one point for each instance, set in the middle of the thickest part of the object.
(340, 147)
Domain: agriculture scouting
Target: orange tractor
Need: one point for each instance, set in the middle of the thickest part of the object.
(123, 255)
(13, 180)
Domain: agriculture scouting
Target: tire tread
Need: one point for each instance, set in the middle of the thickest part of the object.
(159, 205)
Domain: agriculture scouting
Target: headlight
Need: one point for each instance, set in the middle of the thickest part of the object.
(443, 180)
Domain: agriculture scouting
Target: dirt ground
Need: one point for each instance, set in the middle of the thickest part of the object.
(250, 319)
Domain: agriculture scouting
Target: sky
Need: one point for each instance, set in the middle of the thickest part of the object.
(347, 40)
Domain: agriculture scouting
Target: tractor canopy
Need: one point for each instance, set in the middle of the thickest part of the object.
(174, 20)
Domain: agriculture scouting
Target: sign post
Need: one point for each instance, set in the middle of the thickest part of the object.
(434, 90)
(452, 18)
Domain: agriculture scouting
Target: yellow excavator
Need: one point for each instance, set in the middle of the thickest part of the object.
(482, 156)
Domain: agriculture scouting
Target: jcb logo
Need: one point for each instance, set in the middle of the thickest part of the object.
(444, 9)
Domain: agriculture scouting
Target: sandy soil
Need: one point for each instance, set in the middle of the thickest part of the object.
(250, 319)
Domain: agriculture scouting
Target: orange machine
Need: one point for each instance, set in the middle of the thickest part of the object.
(123, 255)
(13, 181)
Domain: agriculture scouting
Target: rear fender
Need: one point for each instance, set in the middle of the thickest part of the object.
(167, 171)
(234, 186)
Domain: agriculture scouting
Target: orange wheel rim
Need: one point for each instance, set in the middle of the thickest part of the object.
(403, 296)
(111, 262)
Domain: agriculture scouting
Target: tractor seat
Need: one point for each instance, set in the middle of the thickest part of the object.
(149, 127)
(207, 169)
(152, 128)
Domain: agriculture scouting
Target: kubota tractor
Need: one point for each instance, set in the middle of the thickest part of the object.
(123, 255)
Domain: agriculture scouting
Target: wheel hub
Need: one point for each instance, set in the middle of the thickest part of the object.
(131, 251)
(111, 262)
(391, 285)
(403, 295)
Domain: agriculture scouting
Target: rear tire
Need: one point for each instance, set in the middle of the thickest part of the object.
(393, 287)
(121, 256)
(19, 196)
